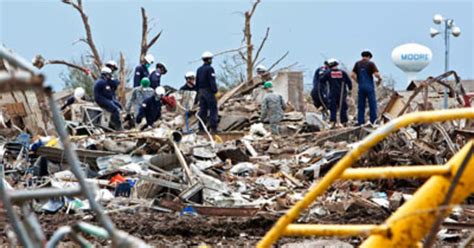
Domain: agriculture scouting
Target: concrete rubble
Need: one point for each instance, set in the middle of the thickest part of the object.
(244, 177)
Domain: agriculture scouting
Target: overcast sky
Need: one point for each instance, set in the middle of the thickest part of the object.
(307, 29)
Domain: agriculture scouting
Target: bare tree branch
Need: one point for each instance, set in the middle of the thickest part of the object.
(145, 45)
(122, 79)
(154, 39)
(248, 39)
(242, 55)
(278, 61)
(39, 61)
(261, 46)
(222, 53)
(254, 7)
(88, 40)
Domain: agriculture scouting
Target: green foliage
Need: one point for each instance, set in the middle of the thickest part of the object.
(74, 78)
(231, 73)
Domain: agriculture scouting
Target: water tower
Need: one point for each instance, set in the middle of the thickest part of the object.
(411, 58)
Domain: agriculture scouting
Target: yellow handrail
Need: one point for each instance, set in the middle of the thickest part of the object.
(348, 160)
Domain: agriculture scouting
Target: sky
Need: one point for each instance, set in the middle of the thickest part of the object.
(310, 30)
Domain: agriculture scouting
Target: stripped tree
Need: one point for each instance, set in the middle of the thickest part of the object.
(145, 45)
(94, 69)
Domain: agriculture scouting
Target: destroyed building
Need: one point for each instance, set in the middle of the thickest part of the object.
(169, 186)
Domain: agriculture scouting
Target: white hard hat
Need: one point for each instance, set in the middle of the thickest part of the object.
(105, 70)
(149, 59)
(190, 74)
(160, 91)
(112, 63)
(79, 92)
(261, 68)
(332, 62)
(207, 55)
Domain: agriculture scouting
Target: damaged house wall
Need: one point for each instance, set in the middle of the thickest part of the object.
(23, 108)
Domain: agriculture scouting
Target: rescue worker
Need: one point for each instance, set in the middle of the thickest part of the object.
(155, 76)
(261, 70)
(320, 90)
(142, 70)
(273, 108)
(139, 94)
(151, 108)
(104, 96)
(363, 73)
(207, 88)
(339, 86)
(112, 65)
(78, 96)
(190, 85)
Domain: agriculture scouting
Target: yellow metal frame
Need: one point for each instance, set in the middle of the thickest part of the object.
(410, 223)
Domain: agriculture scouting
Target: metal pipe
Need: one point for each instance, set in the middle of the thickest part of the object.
(446, 59)
(174, 138)
(334, 230)
(17, 61)
(20, 230)
(420, 171)
(32, 224)
(415, 218)
(73, 161)
(349, 159)
(43, 193)
(57, 236)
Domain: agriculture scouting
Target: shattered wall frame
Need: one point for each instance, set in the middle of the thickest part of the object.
(23, 76)
(22, 106)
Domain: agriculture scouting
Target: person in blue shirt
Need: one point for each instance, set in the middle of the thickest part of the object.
(79, 94)
(155, 76)
(151, 108)
(320, 90)
(142, 70)
(104, 96)
(207, 88)
(363, 73)
(339, 86)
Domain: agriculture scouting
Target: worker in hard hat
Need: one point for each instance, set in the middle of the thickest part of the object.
(363, 73)
(206, 87)
(143, 70)
(150, 108)
(190, 84)
(340, 85)
(104, 96)
(261, 70)
(272, 108)
(112, 65)
(320, 91)
(155, 76)
(78, 96)
(139, 94)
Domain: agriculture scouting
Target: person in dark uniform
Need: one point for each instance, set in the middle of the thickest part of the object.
(141, 71)
(151, 108)
(155, 76)
(364, 72)
(190, 85)
(339, 86)
(104, 96)
(207, 88)
(320, 90)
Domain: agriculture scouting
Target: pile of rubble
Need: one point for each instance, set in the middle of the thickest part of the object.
(170, 186)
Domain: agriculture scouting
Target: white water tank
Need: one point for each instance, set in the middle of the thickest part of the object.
(411, 58)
